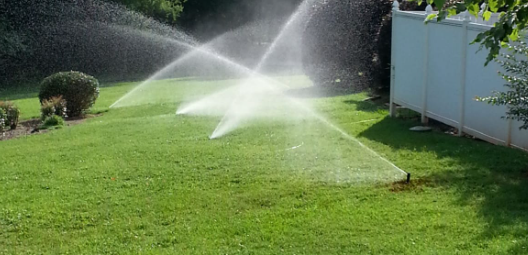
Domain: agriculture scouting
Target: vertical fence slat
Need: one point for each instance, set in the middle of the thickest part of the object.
(463, 75)
(428, 11)
(395, 9)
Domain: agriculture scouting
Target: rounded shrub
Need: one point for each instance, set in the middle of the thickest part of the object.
(78, 89)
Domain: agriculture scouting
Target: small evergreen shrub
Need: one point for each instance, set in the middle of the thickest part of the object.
(53, 106)
(12, 114)
(78, 89)
(52, 121)
(515, 98)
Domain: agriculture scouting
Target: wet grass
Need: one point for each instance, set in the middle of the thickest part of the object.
(141, 180)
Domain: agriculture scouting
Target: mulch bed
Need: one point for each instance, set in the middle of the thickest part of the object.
(31, 127)
(24, 128)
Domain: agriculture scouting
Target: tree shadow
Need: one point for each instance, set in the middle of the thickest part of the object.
(492, 178)
(320, 92)
(365, 106)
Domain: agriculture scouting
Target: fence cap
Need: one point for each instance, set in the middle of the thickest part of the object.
(483, 7)
(429, 9)
(396, 5)
(465, 16)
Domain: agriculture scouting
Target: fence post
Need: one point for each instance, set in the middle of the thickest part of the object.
(463, 76)
(428, 11)
(395, 9)
(482, 9)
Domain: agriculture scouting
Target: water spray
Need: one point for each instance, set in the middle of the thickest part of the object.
(272, 85)
(298, 103)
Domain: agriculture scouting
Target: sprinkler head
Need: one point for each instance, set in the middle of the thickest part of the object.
(408, 178)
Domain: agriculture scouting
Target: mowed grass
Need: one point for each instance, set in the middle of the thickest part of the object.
(141, 180)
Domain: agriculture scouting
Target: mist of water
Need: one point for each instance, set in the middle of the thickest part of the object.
(92, 36)
(251, 97)
(255, 94)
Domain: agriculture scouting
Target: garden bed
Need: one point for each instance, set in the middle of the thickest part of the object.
(32, 127)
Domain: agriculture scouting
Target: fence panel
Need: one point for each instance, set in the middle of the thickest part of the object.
(411, 67)
(445, 71)
(437, 72)
(481, 81)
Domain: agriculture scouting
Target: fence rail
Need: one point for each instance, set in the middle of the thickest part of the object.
(436, 72)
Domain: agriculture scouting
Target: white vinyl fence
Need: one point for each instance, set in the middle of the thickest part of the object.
(436, 72)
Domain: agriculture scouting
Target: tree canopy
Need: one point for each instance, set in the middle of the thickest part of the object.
(207, 19)
(163, 10)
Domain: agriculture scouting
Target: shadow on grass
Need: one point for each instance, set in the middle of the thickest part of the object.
(319, 92)
(365, 106)
(492, 178)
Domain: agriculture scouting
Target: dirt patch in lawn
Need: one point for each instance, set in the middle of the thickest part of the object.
(414, 185)
(31, 127)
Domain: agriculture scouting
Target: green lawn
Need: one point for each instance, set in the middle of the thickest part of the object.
(142, 180)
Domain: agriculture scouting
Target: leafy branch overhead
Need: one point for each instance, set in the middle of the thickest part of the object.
(513, 19)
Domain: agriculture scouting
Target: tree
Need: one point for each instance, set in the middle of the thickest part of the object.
(335, 52)
(206, 19)
(516, 76)
(162, 10)
(513, 19)
(94, 36)
(13, 47)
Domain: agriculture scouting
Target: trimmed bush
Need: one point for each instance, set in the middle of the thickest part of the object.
(12, 114)
(53, 106)
(78, 89)
(52, 121)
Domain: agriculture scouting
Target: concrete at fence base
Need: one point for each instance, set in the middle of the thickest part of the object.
(421, 129)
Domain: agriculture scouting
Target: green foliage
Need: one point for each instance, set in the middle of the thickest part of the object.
(12, 44)
(78, 89)
(12, 114)
(337, 30)
(163, 10)
(207, 19)
(516, 98)
(513, 19)
(52, 121)
(53, 106)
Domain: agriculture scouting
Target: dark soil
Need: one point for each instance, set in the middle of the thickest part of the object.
(31, 127)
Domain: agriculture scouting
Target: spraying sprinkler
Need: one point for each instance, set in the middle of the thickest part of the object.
(408, 178)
